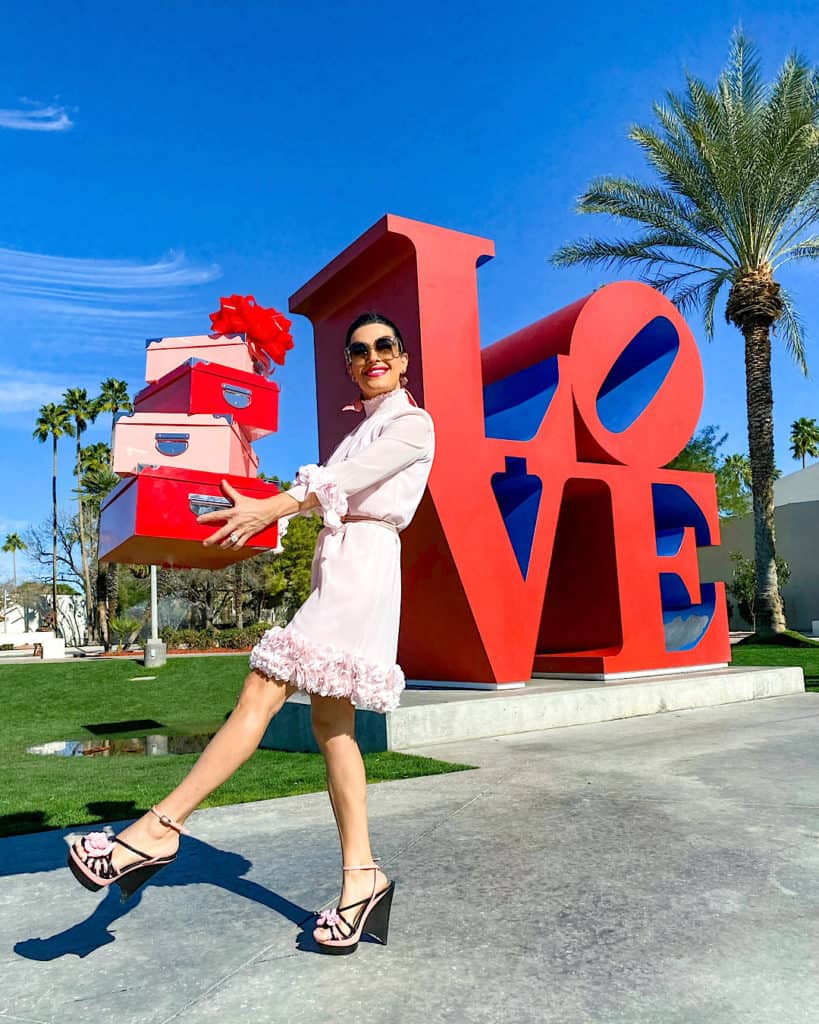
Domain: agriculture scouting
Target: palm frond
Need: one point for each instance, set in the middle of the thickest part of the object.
(673, 218)
(794, 331)
(806, 249)
(681, 168)
(709, 300)
(614, 253)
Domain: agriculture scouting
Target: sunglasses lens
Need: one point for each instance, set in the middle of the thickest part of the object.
(384, 348)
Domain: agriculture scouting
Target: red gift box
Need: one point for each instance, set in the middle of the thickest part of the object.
(150, 519)
(198, 386)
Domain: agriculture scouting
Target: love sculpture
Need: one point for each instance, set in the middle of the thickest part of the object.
(550, 539)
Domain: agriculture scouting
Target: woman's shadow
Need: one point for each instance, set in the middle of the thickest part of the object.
(198, 863)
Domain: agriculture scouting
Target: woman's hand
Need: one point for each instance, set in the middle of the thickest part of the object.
(248, 517)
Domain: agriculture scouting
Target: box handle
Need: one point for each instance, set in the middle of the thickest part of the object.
(199, 504)
(172, 444)
(239, 398)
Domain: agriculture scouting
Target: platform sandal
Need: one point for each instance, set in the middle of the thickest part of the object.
(98, 870)
(373, 918)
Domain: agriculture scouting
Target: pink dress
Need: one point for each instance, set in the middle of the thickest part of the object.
(343, 641)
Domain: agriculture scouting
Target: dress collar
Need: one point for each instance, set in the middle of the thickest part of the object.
(369, 405)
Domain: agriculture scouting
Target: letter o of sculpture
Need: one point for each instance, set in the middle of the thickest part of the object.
(636, 377)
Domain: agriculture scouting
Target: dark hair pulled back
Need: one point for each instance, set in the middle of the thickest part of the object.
(373, 318)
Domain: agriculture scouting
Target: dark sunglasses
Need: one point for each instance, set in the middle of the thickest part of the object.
(385, 348)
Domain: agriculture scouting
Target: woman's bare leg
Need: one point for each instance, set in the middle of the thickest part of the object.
(238, 738)
(333, 721)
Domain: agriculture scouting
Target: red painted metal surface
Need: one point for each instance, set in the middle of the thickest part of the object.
(150, 519)
(198, 387)
(549, 538)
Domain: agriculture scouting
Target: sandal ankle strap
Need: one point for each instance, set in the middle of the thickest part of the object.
(170, 823)
(362, 867)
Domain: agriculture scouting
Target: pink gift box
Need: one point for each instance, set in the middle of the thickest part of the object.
(164, 354)
(214, 443)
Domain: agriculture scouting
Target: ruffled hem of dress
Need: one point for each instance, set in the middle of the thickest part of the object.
(284, 653)
(319, 480)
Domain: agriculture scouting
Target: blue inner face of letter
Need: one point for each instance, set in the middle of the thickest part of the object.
(515, 406)
(637, 375)
(518, 496)
(684, 623)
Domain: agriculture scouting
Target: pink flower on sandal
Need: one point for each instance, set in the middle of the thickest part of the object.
(328, 918)
(97, 844)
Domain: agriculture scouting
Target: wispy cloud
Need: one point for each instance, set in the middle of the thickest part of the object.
(36, 119)
(89, 305)
(22, 390)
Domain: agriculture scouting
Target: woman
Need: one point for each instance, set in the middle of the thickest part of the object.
(340, 647)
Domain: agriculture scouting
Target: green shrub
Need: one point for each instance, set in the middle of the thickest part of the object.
(212, 638)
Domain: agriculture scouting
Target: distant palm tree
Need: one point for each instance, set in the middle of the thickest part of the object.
(113, 398)
(804, 439)
(14, 543)
(739, 468)
(53, 421)
(738, 191)
(95, 456)
(82, 411)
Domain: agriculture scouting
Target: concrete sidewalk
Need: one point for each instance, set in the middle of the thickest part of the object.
(661, 870)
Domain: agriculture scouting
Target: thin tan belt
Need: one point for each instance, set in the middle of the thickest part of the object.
(370, 519)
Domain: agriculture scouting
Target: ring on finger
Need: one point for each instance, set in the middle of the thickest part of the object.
(234, 537)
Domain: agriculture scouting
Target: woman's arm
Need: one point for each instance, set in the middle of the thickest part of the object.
(405, 440)
(250, 516)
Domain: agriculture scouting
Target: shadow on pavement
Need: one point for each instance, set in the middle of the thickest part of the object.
(198, 863)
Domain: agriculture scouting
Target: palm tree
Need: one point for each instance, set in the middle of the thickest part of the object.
(14, 543)
(83, 411)
(734, 485)
(97, 481)
(804, 439)
(738, 192)
(113, 398)
(53, 421)
(95, 456)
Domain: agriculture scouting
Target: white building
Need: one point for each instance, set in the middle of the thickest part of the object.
(19, 624)
(796, 497)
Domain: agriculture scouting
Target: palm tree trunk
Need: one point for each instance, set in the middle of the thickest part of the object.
(770, 618)
(89, 597)
(803, 460)
(54, 539)
(14, 568)
(238, 593)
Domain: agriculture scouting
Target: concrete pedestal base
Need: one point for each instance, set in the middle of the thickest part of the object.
(155, 654)
(429, 716)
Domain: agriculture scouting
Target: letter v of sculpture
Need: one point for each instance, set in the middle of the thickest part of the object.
(549, 541)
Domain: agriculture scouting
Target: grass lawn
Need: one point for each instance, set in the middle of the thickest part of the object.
(189, 695)
(757, 654)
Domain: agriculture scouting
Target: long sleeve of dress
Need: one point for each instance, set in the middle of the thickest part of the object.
(404, 440)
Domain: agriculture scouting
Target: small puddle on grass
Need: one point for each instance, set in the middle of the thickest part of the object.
(144, 745)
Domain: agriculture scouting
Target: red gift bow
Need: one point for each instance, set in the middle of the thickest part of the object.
(267, 331)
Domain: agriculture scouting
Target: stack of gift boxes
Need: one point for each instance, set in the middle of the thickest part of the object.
(192, 427)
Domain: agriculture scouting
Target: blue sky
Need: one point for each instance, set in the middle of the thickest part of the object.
(158, 156)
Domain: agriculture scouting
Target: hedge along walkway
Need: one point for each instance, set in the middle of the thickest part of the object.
(43, 703)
